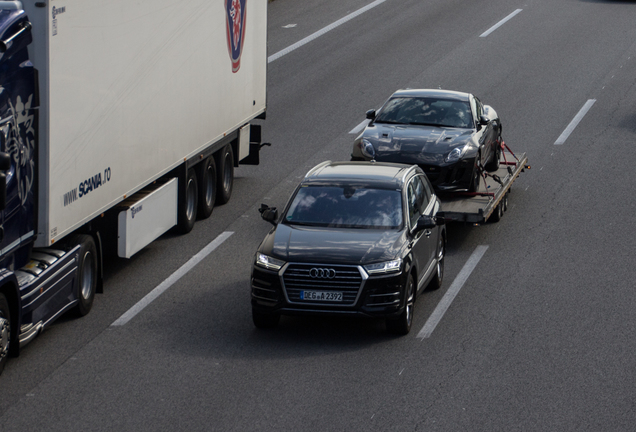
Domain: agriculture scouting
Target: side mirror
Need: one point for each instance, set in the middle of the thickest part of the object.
(5, 160)
(483, 120)
(269, 214)
(371, 114)
(425, 222)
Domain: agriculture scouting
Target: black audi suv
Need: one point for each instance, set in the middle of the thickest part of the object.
(356, 238)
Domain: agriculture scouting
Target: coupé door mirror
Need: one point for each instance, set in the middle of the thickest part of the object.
(269, 214)
(371, 114)
(483, 120)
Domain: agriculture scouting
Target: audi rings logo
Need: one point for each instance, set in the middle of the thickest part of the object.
(322, 273)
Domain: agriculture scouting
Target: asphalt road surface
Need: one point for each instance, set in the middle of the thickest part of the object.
(541, 333)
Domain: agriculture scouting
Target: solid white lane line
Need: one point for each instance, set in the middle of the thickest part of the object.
(500, 23)
(324, 30)
(448, 298)
(172, 279)
(356, 130)
(575, 122)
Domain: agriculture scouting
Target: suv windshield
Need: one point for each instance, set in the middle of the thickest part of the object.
(426, 111)
(346, 207)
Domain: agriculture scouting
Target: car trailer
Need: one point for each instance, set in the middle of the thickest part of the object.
(491, 199)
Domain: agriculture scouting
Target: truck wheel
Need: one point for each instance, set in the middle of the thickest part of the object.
(436, 282)
(5, 331)
(265, 320)
(225, 174)
(207, 188)
(86, 273)
(402, 324)
(188, 203)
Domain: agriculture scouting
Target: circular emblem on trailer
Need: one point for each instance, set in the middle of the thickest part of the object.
(322, 273)
(235, 24)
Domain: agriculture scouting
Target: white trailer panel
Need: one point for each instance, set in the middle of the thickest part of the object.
(132, 88)
(147, 215)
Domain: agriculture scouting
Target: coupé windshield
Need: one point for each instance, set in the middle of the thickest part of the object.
(346, 207)
(426, 111)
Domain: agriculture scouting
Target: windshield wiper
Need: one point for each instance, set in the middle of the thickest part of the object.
(315, 224)
(425, 124)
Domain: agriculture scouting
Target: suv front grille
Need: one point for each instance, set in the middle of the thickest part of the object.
(319, 277)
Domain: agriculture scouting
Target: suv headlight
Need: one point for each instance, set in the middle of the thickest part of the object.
(384, 267)
(367, 148)
(268, 262)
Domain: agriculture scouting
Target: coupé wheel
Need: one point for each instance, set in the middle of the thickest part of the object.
(474, 184)
(493, 163)
(402, 324)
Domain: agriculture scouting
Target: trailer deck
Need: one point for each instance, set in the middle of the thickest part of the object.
(491, 200)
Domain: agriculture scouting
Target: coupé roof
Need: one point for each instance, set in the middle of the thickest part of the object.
(434, 93)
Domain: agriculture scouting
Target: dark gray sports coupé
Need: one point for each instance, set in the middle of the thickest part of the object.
(451, 135)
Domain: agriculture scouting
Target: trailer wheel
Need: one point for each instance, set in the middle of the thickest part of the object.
(5, 331)
(225, 174)
(188, 203)
(402, 324)
(86, 273)
(207, 188)
(436, 282)
(498, 213)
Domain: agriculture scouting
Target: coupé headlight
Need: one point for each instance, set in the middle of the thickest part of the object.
(367, 148)
(384, 267)
(268, 262)
(455, 154)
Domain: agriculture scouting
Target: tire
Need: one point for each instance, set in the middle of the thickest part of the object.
(207, 188)
(436, 282)
(5, 331)
(86, 273)
(493, 164)
(265, 320)
(188, 202)
(474, 183)
(225, 174)
(402, 324)
(498, 213)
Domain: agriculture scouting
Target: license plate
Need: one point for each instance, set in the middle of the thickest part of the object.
(321, 296)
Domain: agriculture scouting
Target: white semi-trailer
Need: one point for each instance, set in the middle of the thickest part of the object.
(119, 120)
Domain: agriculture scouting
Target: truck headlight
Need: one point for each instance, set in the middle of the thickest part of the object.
(268, 262)
(384, 267)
